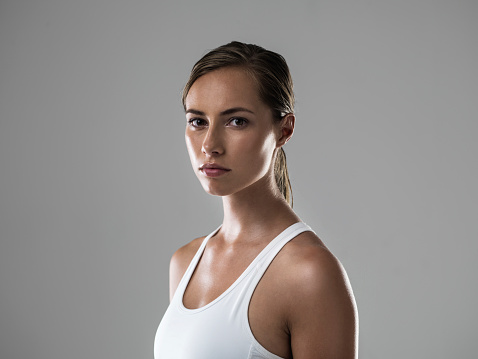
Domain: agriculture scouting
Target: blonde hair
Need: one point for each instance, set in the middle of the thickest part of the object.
(274, 81)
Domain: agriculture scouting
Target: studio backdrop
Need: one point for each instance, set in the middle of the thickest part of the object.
(97, 192)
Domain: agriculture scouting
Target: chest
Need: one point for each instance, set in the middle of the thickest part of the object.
(218, 270)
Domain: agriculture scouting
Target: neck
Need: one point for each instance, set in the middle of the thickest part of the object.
(255, 211)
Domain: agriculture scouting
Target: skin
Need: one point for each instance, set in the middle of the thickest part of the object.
(303, 307)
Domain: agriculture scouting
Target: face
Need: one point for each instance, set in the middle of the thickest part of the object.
(230, 133)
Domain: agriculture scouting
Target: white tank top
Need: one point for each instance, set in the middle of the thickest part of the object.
(221, 328)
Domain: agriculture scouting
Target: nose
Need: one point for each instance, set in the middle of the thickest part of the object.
(213, 142)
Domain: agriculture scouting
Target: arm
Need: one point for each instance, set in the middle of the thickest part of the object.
(323, 321)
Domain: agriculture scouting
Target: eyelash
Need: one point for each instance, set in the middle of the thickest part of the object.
(191, 121)
(244, 121)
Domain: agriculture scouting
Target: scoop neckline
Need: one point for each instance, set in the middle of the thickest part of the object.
(249, 268)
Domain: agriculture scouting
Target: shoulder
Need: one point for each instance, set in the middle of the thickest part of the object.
(180, 262)
(310, 262)
(306, 265)
(320, 302)
(183, 255)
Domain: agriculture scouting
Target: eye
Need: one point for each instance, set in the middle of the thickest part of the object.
(197, 122)
(237, 122)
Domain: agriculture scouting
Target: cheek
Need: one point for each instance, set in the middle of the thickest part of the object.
(191, 145)
(256, 151)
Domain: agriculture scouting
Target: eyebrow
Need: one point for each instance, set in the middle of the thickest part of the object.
(225, 112)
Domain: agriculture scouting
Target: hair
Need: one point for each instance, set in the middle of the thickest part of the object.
(271, 73)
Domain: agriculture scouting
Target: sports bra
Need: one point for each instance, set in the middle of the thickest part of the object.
(220, 329)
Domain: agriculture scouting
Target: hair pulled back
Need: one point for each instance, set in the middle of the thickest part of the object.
(271, 73)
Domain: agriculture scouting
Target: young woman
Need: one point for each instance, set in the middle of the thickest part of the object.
(262, 285)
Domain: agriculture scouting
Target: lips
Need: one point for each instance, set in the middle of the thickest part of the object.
(213, 169)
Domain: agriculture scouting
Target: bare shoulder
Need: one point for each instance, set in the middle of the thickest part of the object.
(310, 262)
(180, 262)
(319, 305)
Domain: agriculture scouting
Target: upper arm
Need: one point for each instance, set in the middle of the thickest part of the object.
(180, 262)
(323, 322)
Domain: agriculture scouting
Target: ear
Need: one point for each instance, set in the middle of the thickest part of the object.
(286, 129)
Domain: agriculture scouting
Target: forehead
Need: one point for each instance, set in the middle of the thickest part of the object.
(224, 88)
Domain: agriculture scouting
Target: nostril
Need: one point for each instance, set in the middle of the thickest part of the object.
(211, 145)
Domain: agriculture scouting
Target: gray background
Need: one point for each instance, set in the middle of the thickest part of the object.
(96, 190)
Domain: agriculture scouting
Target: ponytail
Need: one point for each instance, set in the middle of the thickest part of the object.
(282, 176)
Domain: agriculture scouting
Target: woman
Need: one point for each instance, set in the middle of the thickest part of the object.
(262, 285)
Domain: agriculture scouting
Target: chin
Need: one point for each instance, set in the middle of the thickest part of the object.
(216, 188)
(215, 191)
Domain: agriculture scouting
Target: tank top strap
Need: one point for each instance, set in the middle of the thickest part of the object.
(264, 259)
(192, 266)
(273, 248)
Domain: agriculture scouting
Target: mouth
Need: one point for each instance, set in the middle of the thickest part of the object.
(213, 170)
